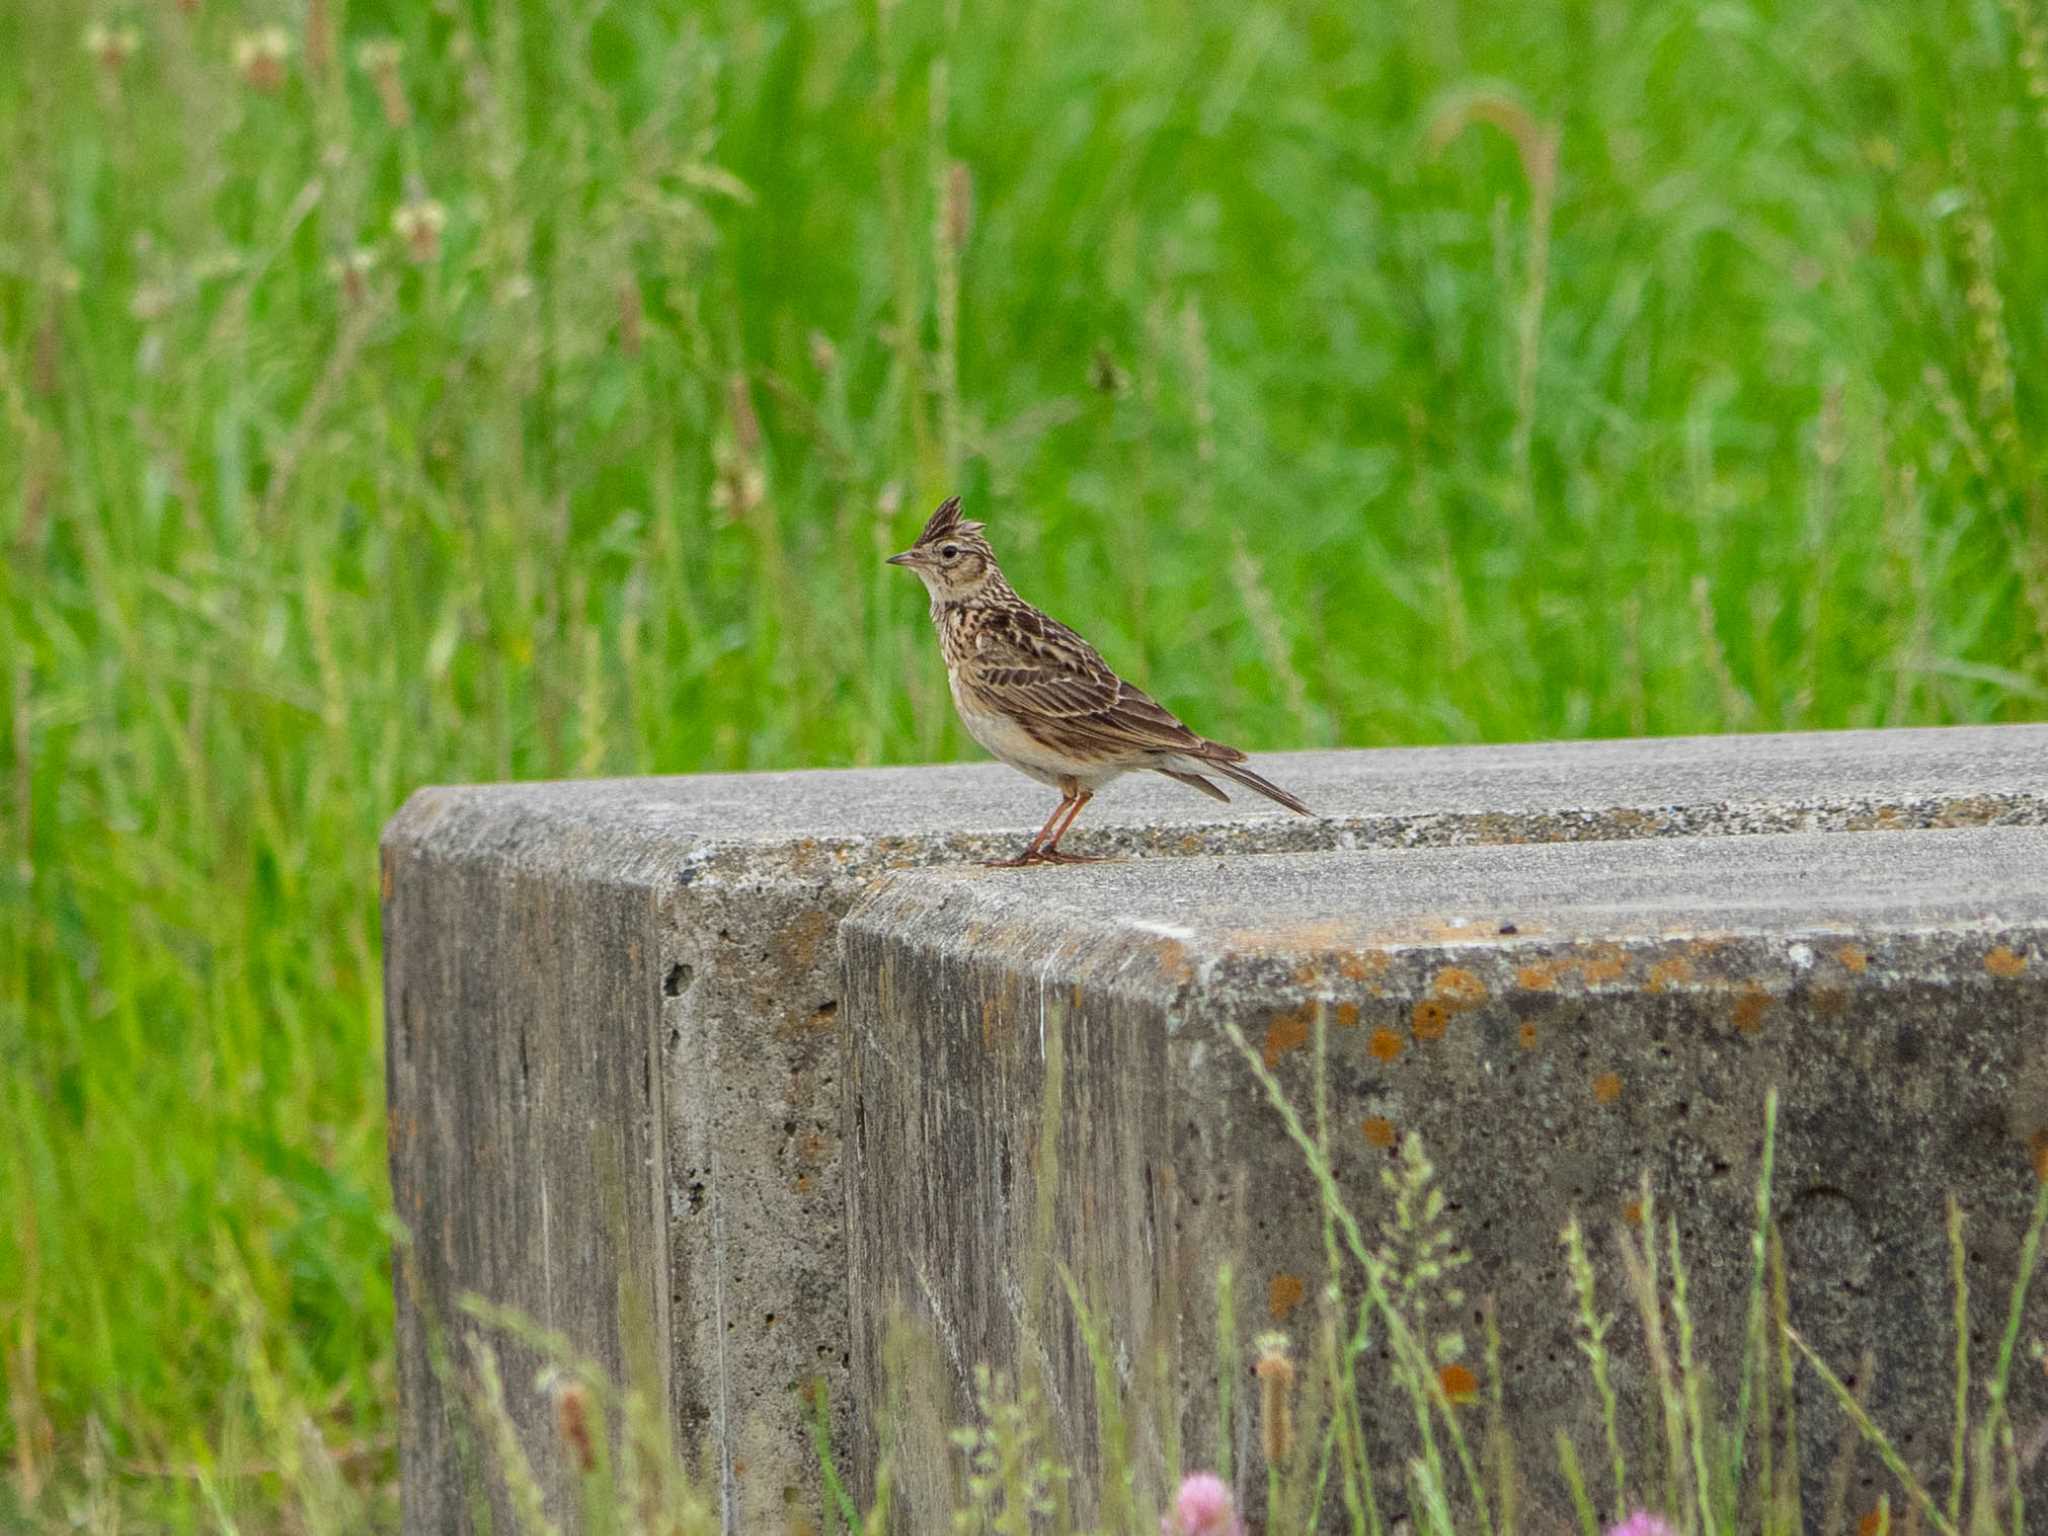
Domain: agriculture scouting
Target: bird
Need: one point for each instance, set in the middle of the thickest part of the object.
(1042, 699)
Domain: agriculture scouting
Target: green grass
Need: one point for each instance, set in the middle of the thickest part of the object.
(1263, 337)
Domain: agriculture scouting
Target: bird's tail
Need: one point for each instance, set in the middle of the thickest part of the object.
(1250, 780)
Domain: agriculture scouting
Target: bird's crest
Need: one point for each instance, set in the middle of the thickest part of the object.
(947, 522)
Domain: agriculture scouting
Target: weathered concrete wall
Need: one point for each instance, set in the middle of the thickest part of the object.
(1553, 1020)
(527, 1150)
(617, 1031)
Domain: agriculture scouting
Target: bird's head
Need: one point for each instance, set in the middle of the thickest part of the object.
(951, 557)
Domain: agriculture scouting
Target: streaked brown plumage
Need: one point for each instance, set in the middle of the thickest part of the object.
(1039, 697)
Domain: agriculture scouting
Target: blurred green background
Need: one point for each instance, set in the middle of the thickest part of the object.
(398, 393)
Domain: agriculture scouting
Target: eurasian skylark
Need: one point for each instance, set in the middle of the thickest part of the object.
(1038, 696)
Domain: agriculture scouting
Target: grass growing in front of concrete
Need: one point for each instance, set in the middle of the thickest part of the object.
(1721, 1463)
(1708, 1458)
(456, 391)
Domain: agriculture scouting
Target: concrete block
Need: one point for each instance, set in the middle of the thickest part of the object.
(1552, 1019)
(616, 1033)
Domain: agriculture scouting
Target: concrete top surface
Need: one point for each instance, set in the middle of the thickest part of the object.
(1923, 882)
(857, 820)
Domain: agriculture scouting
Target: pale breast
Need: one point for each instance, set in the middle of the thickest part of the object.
(1002, 737)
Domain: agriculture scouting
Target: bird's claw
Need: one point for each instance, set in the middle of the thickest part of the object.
(1045, 856)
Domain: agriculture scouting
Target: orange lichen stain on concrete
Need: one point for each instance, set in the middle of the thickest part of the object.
(2037, 1144)
(1458, 987)
(1379, 1131)
(1283, 1295)
(800, 940)
(1606, 962)
(1607, 1087)
(803, 1183)
(1361, 965)
(812, 1148)
(1458, 1382)
(1346, 1015)
(1828, 1002)
(1452, 991)
(1385, 1044)
(2002, 962)
(1750, 1007)
(1632, 1213)
(1172, 959)
(1430, 1018)
(1601, 963)
(1674, 972)
(1287, 1032)
(1527, 1035)
(1854, 958)
(1872, 1522)
(1307, 973)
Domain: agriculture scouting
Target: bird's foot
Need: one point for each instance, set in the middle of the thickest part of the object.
(1046, 856)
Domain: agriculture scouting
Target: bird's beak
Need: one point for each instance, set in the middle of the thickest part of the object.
(908, 557)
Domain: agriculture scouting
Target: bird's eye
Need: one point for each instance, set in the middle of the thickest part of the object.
(950, 552)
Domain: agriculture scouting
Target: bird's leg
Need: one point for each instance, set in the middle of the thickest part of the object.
(1051, 851)
(1078, 798)
(1034, 850)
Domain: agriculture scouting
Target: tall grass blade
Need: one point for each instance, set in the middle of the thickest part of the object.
(2030, 1258)
(1754, 1380)
(1959, 1282)
(1575, 1480)
(1872, 1435)
(1226, 1369)
(1594, 1326)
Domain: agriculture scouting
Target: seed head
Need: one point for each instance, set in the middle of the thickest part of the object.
(112, 47)
(1275, 1370)
(632, 317)
(418, 222)
(352, 272)
(572, 1418)
(379, 58)
(150, 301)
(260, 58)
(959, 207)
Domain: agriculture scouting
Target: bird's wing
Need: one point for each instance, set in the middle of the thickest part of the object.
(1053, 683)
